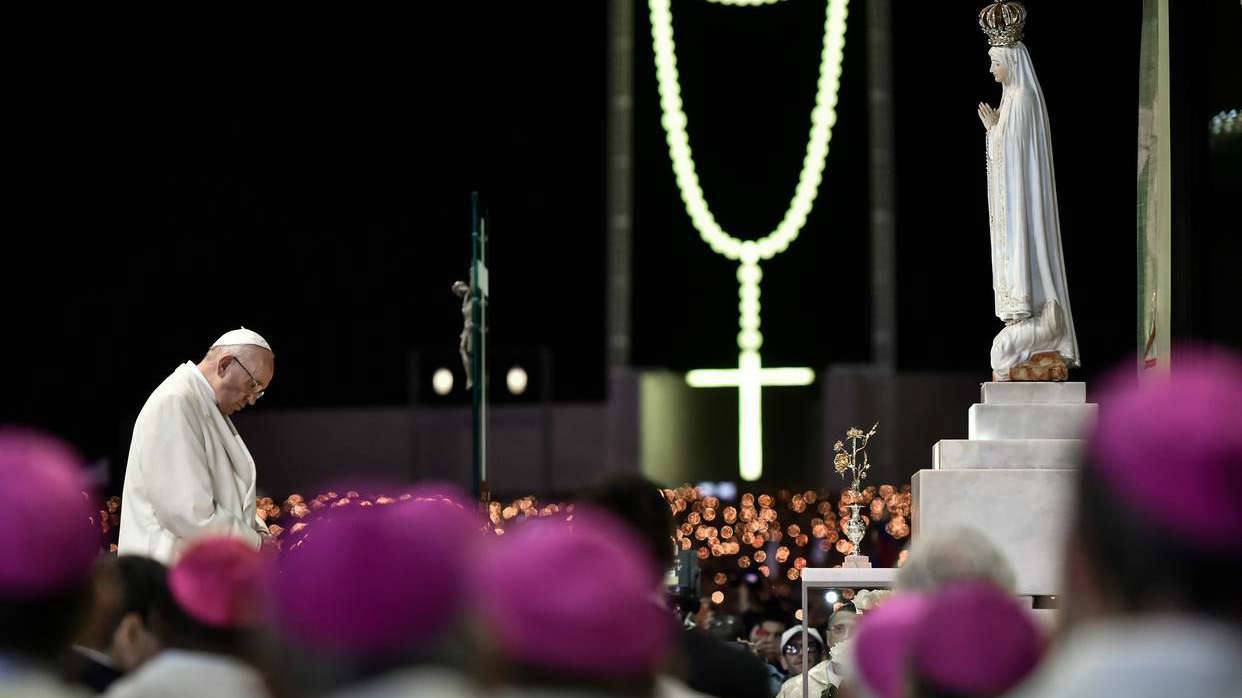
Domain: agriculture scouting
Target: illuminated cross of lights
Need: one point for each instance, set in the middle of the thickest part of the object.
(750, 377)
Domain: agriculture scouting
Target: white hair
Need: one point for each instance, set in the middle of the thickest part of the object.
(244, 351)
(952, 555)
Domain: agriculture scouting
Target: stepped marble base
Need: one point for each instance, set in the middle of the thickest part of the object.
(1023, 512)
(964, 454)
(1030, 421)
(1033, 393)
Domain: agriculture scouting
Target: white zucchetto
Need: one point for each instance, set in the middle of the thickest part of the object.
(242, 336)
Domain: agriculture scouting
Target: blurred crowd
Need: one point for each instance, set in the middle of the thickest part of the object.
(420, 597)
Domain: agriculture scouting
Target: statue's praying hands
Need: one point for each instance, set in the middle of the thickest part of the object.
(988, 115)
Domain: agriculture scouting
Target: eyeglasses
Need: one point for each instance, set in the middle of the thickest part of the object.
(812, 647)
(254, 384)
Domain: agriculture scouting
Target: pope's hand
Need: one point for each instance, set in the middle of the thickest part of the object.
(987, 115)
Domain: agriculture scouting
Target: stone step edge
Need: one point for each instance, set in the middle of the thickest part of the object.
(1075, 445)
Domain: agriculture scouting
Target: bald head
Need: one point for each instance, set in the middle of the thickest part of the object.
(238, 374)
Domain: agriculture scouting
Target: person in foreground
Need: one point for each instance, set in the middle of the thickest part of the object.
(402, 633)
(698, 662)
(207, 621)
(969, 639)
(1152, 601)
(116, 637)
(570, 610)
(49, 548)
(824, 677)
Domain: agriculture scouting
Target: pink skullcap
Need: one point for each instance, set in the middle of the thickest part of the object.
(219, 582)
(975, 639)
(882, 643)
(382, 578)
(580, 598)
(47, 542)
(1171, 447)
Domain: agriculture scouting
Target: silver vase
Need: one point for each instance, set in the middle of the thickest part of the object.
(856, 528)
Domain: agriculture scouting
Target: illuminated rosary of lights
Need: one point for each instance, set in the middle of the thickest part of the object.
(823, 117)
(750, 376)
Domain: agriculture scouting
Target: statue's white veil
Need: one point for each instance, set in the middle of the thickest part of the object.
(1028, 267)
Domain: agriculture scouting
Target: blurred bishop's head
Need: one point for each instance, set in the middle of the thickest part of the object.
(1158, 525)
(48, 542)
(574, 603)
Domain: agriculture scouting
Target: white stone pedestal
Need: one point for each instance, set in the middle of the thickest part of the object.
(1013, 478)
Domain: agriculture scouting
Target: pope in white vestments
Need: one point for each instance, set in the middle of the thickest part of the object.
(189, 473)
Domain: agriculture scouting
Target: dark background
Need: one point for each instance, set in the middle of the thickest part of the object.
(309, 178)
(748, 83)
(310, 181)
(1207, 172)
(748, 78)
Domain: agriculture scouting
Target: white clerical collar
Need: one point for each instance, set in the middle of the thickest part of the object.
(95, 655)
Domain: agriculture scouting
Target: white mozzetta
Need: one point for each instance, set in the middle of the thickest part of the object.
(1023, 512)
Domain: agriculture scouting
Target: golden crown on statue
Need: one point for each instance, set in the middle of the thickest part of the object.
(1003, 22)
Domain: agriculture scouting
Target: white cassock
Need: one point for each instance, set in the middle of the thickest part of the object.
(186, 674)
(414, 681)
(19, 681)
(189, 473)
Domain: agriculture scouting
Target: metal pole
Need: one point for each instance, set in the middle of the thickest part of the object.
(478, 359)
(618, 447)
(883, 185)
(806, 616)
(620, 177)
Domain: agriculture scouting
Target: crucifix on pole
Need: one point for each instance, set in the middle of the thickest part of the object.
(750, 377)
(472, 344)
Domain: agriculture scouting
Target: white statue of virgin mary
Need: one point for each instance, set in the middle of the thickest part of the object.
(1028, 268)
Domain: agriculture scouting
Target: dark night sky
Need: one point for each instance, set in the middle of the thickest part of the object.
(309, 182)
(309, 177)
(748, 81)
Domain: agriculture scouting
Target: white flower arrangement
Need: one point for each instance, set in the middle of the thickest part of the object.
(867, 599)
